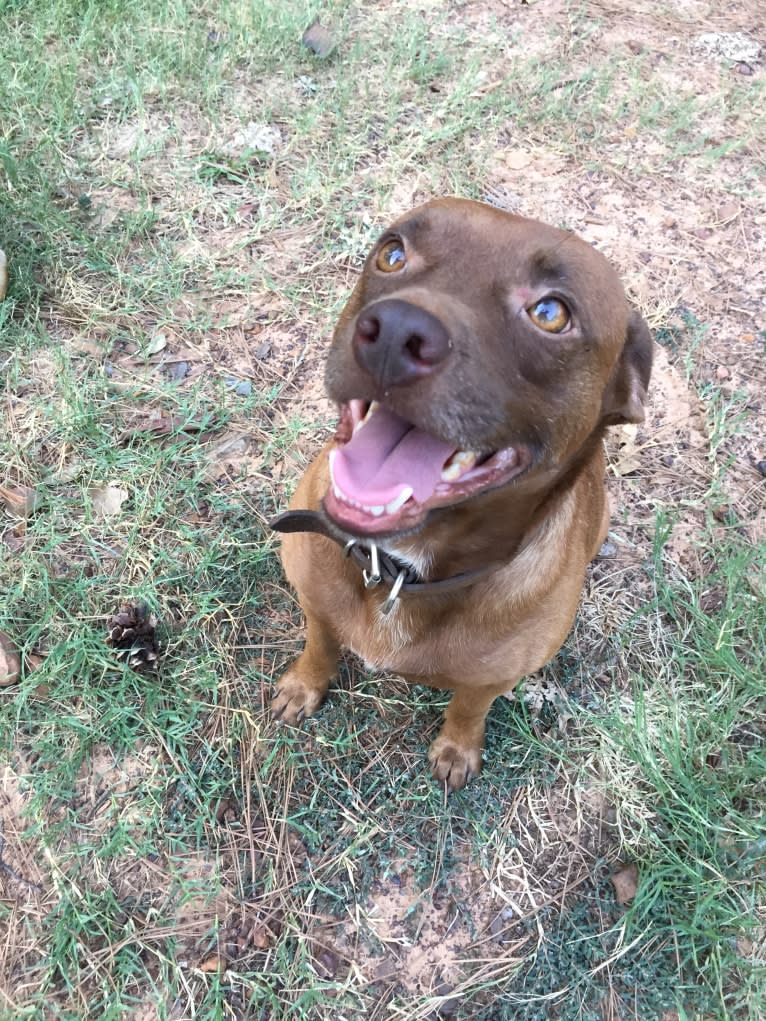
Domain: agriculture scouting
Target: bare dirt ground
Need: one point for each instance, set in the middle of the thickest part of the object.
(688, 235)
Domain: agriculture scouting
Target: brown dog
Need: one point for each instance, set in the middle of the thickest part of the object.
(476, 366)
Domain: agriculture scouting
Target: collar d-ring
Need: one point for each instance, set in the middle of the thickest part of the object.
(393, 595)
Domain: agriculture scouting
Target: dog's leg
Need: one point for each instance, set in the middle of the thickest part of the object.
(302, 688)
(455, 755)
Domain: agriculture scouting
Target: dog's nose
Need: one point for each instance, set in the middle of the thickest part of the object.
(397, 342)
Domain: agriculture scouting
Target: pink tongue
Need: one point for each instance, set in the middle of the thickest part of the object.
(386, 454)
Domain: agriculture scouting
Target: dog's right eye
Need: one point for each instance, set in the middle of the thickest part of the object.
(391, 257)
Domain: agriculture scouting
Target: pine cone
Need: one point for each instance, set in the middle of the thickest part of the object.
(132, 634)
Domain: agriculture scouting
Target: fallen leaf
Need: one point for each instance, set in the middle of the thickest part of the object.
(319, 40)
(66, 472)
(33, 661)
(253, 138)
(89, 347)
(241, 387)
(157, 343)
(213, 964)
(735, 46)
(10, 664)
(261, 937)
(14, 539)
(3, 274)
(386, 970)
(628, 458)
(20, 500)
(246, 209)
(625, 883)
(107, 500)
(161, 424)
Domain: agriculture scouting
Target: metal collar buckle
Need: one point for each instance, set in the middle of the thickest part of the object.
(374, 577)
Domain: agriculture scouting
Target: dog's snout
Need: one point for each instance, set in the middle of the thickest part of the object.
(397, 342)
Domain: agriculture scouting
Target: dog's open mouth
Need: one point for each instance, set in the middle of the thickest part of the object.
(386, 473)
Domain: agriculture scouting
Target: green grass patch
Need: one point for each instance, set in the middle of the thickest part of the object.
(166, 849)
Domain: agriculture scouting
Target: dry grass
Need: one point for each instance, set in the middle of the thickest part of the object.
(187, 196)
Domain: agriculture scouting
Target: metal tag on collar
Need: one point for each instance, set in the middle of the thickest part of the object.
(373, 578)
(393, 595)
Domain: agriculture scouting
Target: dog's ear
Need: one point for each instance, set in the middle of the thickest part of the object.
(625, 397)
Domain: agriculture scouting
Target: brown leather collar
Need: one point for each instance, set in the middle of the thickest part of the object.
(398, 576)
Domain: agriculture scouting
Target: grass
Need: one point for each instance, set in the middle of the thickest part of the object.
(166, 851)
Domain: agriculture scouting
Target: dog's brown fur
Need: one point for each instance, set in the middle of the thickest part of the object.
(476, 268)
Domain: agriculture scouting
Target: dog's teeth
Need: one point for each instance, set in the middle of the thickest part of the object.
(399, 501)
(366, 418)
(376, 511)
(458, 465)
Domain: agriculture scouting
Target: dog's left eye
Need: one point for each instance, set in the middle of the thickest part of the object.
(391, 257)
(550, 315)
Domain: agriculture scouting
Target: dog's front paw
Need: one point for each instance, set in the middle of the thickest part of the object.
(295, 699)
(454, 764)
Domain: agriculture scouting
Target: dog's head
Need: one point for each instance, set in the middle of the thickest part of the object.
(478, 350)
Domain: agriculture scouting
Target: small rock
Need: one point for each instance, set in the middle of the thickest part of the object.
(177, 371)
(607, 550)
(742, 68)
(761, 466)
(241, 387)
(722, 372)
(450, 1006)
